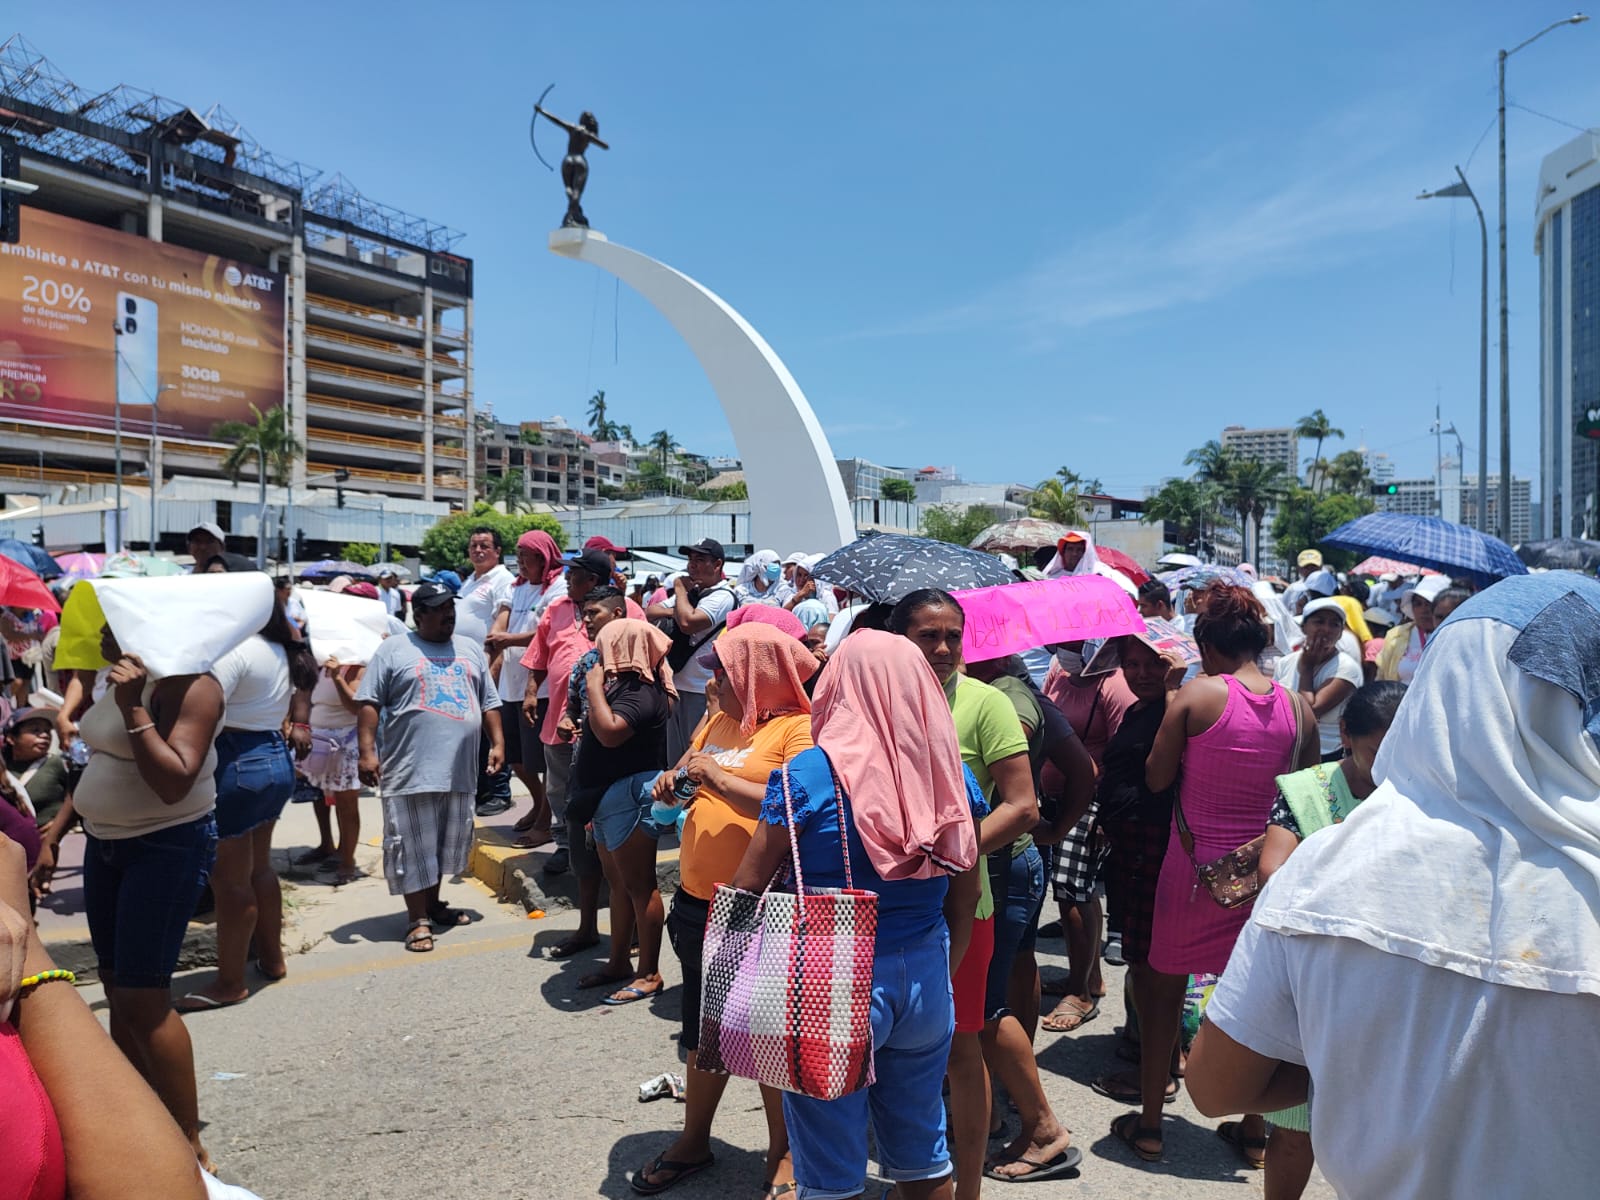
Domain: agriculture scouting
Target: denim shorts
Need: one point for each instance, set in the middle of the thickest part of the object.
(624, 808)
(255, 778)
(1012, 919)
(139, 894)
(913, 1018)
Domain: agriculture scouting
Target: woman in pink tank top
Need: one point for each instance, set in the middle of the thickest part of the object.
(1232, 731)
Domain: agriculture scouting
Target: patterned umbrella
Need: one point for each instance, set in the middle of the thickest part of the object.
(1194, 578)
(1020, 537)
(1561, 554)
(1378, 565)
(1430, 542)
(886, 567)
(328, 568)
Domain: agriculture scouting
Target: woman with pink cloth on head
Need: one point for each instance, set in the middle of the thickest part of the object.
(886, 786)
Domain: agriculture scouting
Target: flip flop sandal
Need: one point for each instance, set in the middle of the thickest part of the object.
(524, 823)
(446, 917)
(199, 1002)
(1127, 1130)
(570, 947)
(1114, 1088)
(777, 1191)
(1054, 1168)
(1231, 1132)
(632, 996)
(420, 932)
(532, 841)
(601, 979)
(680, 1172)
(1075, 1018)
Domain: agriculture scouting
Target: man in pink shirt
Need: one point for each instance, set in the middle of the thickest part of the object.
(558, 643)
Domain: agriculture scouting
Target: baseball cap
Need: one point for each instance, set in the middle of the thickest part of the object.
(594, 562)
(1309, 558)
(210, 527)
(799, 556)
(1074, 537)
(431, 595)
(1322, 582)
(1326, 604)
(710, 547)
(1379, 618)
(23, 715)
(604, 544)
(388, 573)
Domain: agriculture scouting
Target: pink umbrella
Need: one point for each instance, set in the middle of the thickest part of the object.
(1378, 565)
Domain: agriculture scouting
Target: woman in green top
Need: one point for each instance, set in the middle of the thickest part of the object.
(1307, 801)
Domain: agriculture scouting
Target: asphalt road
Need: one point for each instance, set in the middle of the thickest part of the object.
(480, 1068)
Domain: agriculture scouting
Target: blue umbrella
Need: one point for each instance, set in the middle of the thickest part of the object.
(1429, 542)
(32, 557)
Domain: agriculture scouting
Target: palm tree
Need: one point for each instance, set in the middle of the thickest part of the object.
(1053, 501)
(269, 441)
(1183, 504)
(603, 429)
(1213, 463)
(1348, 472)
(661, 442)
(1316, 425)
(1071, 479)
(506, 488)
(1252, 486)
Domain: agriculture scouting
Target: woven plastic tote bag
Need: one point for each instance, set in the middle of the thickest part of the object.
(787, 990)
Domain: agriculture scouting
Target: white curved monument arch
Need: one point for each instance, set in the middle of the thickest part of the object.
(797, 499)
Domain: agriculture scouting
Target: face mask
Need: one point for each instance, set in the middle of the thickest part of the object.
(773, 572)
(1071, 660)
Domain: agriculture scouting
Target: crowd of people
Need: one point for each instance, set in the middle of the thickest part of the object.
(1187, 792)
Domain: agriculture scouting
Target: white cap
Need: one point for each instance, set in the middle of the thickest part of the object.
(1389, 577)
(799, 556)
(1326, 604)
(212, 528)
(1322, 582)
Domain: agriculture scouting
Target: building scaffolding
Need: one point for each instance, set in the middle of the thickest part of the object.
(121, 132)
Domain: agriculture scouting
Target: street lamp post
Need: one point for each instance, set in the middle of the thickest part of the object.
(1503, 525)
(155, 461)
(1463, 188)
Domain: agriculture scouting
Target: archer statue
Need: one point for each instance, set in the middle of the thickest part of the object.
(574, 167)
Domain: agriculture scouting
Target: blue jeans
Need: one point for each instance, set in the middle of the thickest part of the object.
(913, 1019)
(1023, 900)
(255, 778)
(139, 894)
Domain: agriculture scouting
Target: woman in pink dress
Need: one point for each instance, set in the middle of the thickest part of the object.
(1232, 730)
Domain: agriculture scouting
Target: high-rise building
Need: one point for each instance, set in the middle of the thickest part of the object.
(1281, 446)
(1567, 241)
(365, 338)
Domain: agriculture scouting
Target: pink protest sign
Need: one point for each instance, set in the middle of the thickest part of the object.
(1015, 617)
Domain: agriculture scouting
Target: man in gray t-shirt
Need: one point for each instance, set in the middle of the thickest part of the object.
(436, 699)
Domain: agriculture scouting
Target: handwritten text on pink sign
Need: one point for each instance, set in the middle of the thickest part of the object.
(1015, 617)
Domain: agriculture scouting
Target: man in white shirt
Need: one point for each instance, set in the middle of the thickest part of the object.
(394, 600)
(695, 612)
(1309, 563)
(481, 597)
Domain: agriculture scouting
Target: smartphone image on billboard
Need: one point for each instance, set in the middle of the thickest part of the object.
(138, 349)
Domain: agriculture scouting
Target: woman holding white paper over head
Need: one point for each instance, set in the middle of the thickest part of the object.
(148, 795)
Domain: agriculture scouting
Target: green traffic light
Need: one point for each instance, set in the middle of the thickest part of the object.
(1393, 489)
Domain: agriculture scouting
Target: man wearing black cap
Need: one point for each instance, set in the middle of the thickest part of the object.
(437, 700)
(695, 612)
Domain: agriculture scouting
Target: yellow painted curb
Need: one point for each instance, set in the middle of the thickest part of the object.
(495, 858)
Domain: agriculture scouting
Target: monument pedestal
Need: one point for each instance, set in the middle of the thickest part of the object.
(797, 499)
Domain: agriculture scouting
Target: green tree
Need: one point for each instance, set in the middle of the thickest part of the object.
(444, 547)
(950, 523)
(653, 480)
(898, 489)
(661, 442)
(1252, 486)
(734, 491)
(1305, 518)
(531, 437)
(1348, 473)
(506, 488)
(604, 429)
(1084, 486)
(269, 441)
(1054, 501)
(362, 553)
(1316, 425)
(1186, 505)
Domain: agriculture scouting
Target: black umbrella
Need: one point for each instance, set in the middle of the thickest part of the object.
(1561, 554)
(886, 567)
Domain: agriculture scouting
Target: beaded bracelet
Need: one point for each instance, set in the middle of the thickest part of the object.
(33, 981)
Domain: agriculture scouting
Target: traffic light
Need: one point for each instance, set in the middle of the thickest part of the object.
(339, 478)
(299, 543)
(1385, 489)
(38, 535)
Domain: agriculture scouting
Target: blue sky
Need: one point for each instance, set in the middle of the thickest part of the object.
(1004, 236)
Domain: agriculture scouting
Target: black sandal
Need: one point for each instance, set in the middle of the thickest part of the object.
(445, 917)
(680, 1172)
(1127, 1130)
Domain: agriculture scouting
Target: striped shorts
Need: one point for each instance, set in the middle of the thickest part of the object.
(426, 837)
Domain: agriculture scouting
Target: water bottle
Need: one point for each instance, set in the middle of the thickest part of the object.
(78, 753)
(684, 788)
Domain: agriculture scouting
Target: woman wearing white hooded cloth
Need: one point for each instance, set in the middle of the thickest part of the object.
(1075, 555)
(148, 795)
(1465, 892)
